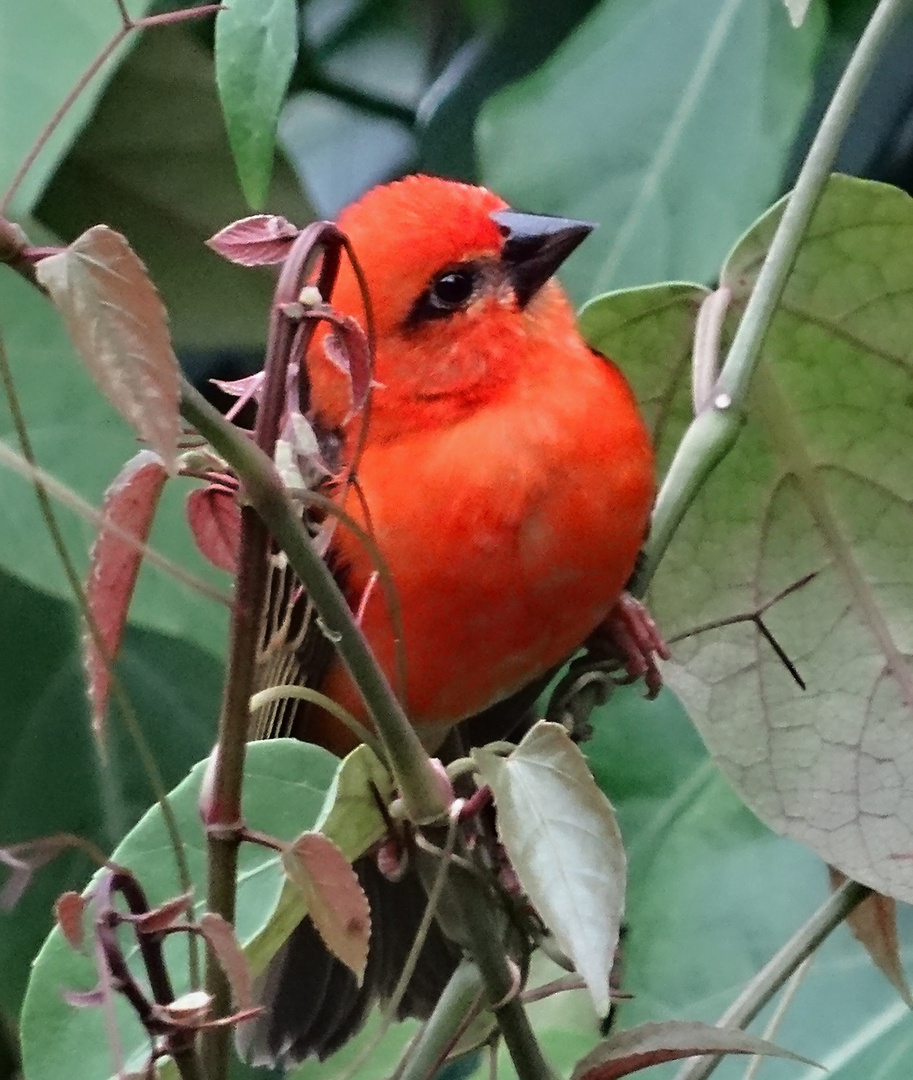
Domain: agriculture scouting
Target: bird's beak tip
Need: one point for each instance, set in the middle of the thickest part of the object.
(535, 245)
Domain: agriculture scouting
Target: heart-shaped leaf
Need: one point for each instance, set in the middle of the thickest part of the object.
(820, 482)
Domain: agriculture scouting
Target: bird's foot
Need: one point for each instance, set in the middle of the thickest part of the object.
(630, 636)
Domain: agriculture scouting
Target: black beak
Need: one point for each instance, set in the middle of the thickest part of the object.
(535, 246)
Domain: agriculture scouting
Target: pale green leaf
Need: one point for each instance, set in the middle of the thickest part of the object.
(560, 834)
(821, 481)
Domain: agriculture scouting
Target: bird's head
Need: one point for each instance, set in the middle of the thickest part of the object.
(461, 295)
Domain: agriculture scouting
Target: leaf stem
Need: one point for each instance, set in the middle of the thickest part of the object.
(487, 952)
(781, 967)
(714, 430)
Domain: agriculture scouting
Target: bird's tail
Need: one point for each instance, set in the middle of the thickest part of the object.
(312, 1003)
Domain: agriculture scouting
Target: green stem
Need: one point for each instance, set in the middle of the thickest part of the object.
(459, 1000)
(780, 967)
(487, 952)
(263, 489)
(714, 431)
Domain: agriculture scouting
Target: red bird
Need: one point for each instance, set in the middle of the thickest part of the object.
(507, 478)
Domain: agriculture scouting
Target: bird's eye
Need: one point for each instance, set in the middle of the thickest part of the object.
(450, 291)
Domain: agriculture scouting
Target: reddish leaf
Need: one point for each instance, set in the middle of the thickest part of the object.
(119, 326)
(335, 900)
(224, 944)
(68, 911)
(215, 521)
(164, 916)
(874, 925)
(653, 1044)
(347, 347)
(260, 240)
(130, 503)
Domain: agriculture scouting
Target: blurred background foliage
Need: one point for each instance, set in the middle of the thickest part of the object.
(673, 123)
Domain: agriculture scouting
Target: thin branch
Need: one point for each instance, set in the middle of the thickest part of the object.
(127, 27)
(783, 1006)
(486, 950)
(781, 967)
(713, 433)
(51, 126)
(455, 1010)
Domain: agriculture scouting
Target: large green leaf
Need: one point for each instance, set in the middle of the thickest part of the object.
(820, 481)
(667, 121)
(47, 46)
(80, 440)
(285, 785)
(51, 779)
(167, 184)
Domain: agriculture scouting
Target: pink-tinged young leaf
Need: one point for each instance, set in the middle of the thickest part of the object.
(335, 900)
(164, 916)
(347, 347)
(215, 521)
(260, 240)
(84, 999)
(222, 940)
(130, 503)
(874, 925)
(119, 326)
(652, 1044)
(68, 911)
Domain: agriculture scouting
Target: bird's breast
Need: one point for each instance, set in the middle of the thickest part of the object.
(508, 537)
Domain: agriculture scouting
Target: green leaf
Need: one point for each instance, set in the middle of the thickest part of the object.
(285, 785)
(80, 440)
(51, 779)
(636, 118)
(47, 46)
(169, 183)
(650, 332)
(560, 834)
(819, 483)
(256, 49)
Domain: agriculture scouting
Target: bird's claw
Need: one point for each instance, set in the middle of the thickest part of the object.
(629, 635)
